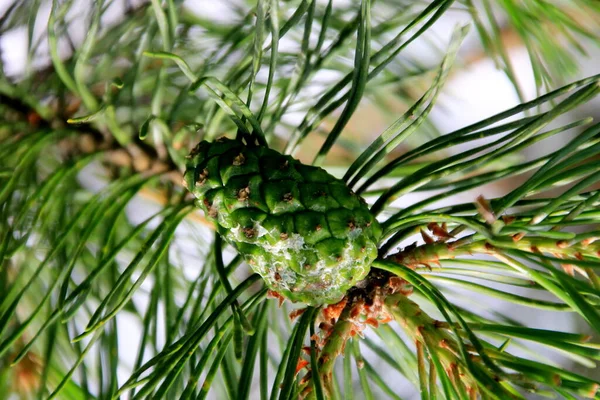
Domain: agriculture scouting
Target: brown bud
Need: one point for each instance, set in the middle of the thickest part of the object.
(240, 159)
(202, 177)
(518, 236)
(508, 219)
(244, 194)
(483, 206)
(426, 238)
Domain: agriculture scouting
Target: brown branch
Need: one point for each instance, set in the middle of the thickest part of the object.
(362, 307)
(138, 155)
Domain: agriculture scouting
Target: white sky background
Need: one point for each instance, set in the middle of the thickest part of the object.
(471, 94)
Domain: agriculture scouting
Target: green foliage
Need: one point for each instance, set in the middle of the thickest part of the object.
(301, 229)
(108, 123)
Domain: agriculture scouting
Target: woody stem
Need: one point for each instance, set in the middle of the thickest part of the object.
(334, 346)
(433, 339)
(433, 253)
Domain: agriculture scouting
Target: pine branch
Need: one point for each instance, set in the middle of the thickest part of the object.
(73, 260)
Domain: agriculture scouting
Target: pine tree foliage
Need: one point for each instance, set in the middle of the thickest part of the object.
(126, 103)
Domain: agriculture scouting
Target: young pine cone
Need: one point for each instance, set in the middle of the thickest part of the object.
(303, 230)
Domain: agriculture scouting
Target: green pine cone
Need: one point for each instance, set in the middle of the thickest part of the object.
(303, 230)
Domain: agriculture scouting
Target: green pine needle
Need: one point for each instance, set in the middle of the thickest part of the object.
(98, 233)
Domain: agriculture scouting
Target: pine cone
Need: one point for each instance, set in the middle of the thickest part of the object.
(303, 230)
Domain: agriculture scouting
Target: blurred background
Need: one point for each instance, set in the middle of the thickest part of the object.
(477, 88)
